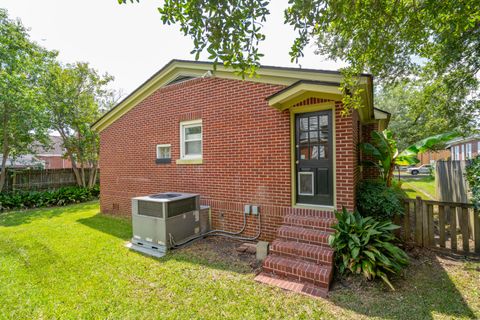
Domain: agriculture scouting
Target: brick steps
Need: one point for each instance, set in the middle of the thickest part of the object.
(298, 269)
(302, 234)
(300, 258)
(292, 285)
(308, 252)
(309, 222)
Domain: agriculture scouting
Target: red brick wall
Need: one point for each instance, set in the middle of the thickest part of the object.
(246, 152)
(55, 162)
(427, 157)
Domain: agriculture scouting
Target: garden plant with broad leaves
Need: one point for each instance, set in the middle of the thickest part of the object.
(365, 246)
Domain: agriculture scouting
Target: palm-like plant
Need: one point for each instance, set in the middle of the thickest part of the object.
(383, 148)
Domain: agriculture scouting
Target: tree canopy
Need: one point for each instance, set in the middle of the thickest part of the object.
(75, 96)
(39, 95)
(22, 111)
(434, 43)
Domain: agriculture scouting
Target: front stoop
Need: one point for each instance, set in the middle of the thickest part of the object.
(300, 259)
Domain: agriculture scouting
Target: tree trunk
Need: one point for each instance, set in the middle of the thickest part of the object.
(70, 156)
(390, 176)
(75, 170)
(3, 172)
(82, 168)
(5, 151)
(93, 174)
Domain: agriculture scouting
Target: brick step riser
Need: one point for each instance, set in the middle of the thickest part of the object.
(292, 276)
(308, 223)
(319, 228)
(319, 241)
(299, 269)
(318, 258)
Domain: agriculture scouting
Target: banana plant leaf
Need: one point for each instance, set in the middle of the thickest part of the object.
(409, 155)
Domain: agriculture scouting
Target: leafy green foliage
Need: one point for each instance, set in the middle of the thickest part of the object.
(23, 119)
(36, 199)
(383, 149)
(437, 44)
(229, 30)
(473, 177)
(76, 94)
(417, 113)
(365, 245)
(375, 199)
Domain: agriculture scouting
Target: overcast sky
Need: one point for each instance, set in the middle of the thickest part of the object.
(129, 41)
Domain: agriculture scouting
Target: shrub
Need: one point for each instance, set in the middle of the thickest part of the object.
(35, 199)
(375, 199)
(473, 177)
(365, 245)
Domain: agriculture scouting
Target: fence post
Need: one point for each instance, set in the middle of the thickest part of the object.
(425, 226)
(476, 227)
(418, 221)
(406, 222)
(453, 229)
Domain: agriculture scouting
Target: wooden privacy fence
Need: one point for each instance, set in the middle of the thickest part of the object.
(450, 181)
(41, 179)
(441, 225)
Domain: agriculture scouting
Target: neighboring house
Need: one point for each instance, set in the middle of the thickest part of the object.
(464, 148)
(53, 154)
(431, 156)
(279, 141)
(23, 162)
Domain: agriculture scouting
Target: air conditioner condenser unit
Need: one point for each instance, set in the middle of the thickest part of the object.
(161, 220)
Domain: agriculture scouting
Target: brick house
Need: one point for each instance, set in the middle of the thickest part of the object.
(53, 154)
(464, 148)
(279, 141)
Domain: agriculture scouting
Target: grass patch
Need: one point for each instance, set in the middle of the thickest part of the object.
(422, 187)
(71, 263)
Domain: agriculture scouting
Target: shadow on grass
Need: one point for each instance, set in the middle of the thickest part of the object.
(212, 252)
(16, 218)
(116, 226)
(425, 292)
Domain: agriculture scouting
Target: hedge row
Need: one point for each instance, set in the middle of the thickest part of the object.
(36, 199)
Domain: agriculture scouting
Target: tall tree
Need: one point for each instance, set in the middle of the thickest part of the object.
(435, 42)
(22, 113)
(418, 113)
(76, 95)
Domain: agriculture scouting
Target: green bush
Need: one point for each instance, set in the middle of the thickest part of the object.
(473, 177)
(365, 245)
(36, 199)
(375, 199)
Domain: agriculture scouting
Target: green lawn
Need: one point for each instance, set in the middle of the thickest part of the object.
(423, 187)
(71, 263)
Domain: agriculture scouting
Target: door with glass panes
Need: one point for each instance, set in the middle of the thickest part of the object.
(314, 158)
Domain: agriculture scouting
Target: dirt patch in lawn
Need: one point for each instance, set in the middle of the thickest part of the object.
(225, 251)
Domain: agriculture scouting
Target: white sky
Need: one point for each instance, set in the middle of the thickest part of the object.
(129, 41)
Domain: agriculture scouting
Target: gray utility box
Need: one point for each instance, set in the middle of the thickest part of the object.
(158, 218)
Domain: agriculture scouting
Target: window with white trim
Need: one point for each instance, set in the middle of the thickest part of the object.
(468, 152)
(456, 152)
(164, 154)
(462, 156)
(163, 151)
(191, 139)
